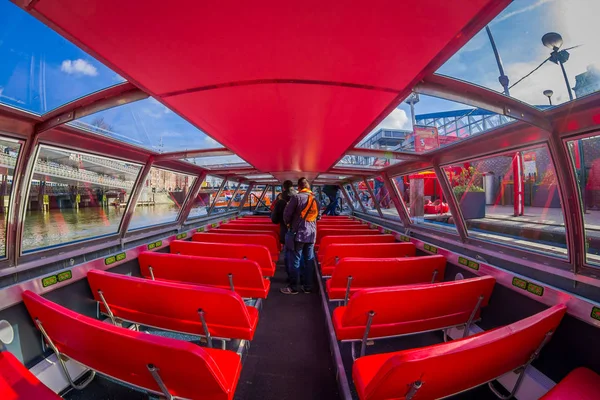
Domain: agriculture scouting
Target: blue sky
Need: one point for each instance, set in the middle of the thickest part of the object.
(39, 70)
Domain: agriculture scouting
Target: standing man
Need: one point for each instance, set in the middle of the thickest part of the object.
(332, 192)
(300, 215)
(278, 208)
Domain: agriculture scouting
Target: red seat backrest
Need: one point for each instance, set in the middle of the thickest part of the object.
(367, 250)
(18, 383)
(433, 306)
(171, 305)
(223, 237)
(327, 240)
(208, 271)
(321, 233)
(185, 368)
(381, 272)
(234, 231)
(336, 222)
(458, 365)
(251, 226)
(253, 252)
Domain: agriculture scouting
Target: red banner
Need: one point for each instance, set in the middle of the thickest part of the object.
(426, 138)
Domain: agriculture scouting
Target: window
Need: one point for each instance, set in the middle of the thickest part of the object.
(495, 209)
(162, 196)
(75, 196)
(205, 196)
(9, 156)
(424, 200)
(585, 161)
(41, 70)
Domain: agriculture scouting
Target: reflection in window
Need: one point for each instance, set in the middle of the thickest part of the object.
(75, 196)
(41, 70)
(585, 157)
(162, 196)
(424, 199)
(512, 199)
(205, 196)
(8, 160)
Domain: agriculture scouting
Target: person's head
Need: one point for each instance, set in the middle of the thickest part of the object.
(303, 184)
(287, 185)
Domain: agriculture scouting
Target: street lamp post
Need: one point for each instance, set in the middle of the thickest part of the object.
(503, 79)
(554, 41)
(412, 100)
(548, 93)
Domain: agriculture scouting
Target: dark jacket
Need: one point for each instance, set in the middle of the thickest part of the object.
(277, 213)
(306, 232)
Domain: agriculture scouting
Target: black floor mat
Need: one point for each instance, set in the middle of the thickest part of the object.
(289, 357)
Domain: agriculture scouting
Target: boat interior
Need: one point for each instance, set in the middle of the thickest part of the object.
(454, 157)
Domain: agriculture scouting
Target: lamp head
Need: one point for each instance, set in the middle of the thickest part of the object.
(552, 40)
(548, 93)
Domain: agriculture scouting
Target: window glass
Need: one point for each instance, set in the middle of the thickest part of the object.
(424, 200)
(10, 153)
(367, 163)
(205, 196)
(585, 157)
(147, 124)
(40, 70)
(382, 195)
(530, 68)
(219, 162)
(75, 196)
(525, 212)
(162, 196)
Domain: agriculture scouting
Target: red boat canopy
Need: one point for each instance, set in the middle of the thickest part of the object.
(288, 86)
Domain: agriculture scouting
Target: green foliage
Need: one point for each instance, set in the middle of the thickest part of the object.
(465, 181)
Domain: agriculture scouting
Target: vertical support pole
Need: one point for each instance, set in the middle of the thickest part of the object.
(518, 185)
(163, 388)
(235, 192)
(414, 387)
(347, 296)
(417, 198)
(358, 198)
(218, 194)
(453, 205)
(133, 198)
(245, 197)
(151, 270)
(363, 346)
(375, 202)
(396, 199)
(472, 316)
(230, 276)
(187, 206)
(205, 327)
(347, 197)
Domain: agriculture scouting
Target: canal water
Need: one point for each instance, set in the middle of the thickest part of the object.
(59, 227)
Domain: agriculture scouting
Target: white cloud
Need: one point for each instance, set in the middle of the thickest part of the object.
(210, 140)
(78, 67)
(396, 120)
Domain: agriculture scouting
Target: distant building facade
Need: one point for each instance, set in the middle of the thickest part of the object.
(588, 82)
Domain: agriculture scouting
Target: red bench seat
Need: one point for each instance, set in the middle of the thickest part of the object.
(403, 310)
(246, 275)
(370, 273)
(359, 239)
(336, 252)
(251, 226)
(448, 368)
(246, 232)
(580, 384)
(174, 306)
(266, 240)
(18, 383)
(187, 370)
(322, 233)
(253, 252)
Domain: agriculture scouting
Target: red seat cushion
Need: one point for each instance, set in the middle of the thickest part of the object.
(382, 272)
(174, 306)
(248, 280)
(338, 251)
(186, 369)
(433, 306)
(244, 231)
(321, 233)
(580, 384)
(452, 367)
(359, 239)
(266, 240)
(18, 383)
(253, 252)
(251, 226)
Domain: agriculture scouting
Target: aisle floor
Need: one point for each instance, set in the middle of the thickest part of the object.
(289, 357)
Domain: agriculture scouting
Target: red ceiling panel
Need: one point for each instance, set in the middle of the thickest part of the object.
(215, 63)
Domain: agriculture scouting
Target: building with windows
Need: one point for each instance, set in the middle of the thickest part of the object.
(587, 82)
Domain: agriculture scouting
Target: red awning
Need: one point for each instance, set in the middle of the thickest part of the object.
(288, 86)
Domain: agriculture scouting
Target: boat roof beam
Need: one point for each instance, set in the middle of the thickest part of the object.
(113, 96)
(137, 191)
(393, 155)
(177, 155)
(187, 205)
(476, 96)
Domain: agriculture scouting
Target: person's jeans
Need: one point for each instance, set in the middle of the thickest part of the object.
(301, 265)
